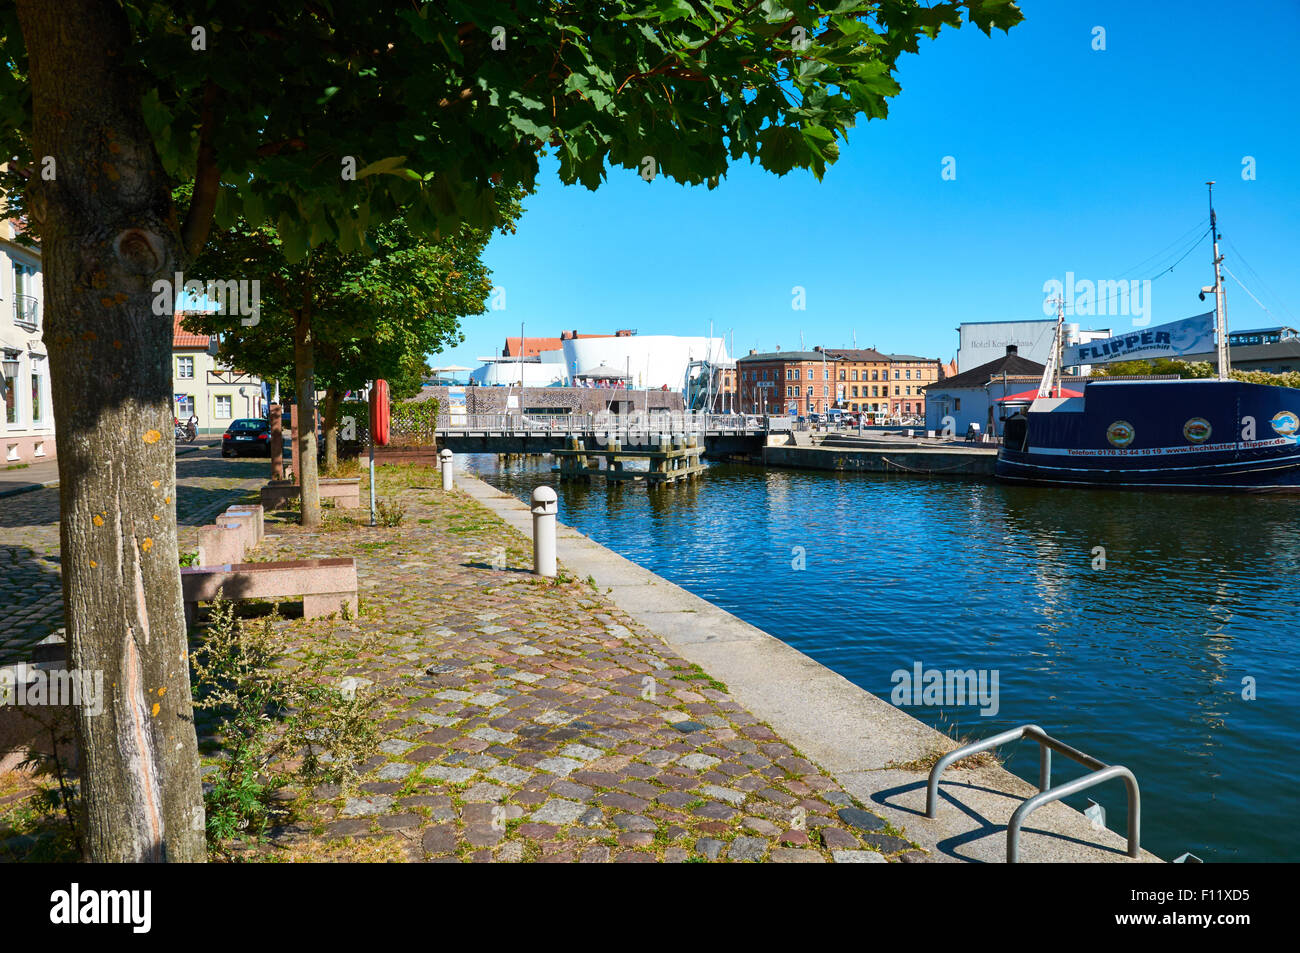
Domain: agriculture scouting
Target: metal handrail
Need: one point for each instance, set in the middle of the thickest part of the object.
(27, 310)
(663, 422)
(1101, 772)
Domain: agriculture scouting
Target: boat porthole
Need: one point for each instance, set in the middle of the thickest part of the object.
(1285, 423)
(1120, 433)
(1197, 430)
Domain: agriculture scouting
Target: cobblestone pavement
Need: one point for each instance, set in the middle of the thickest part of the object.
(30, 586)
(536, 721)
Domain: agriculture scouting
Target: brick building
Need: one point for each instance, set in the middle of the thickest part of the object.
(911, 375)
(857, 368)
(854, 379)
(787, 382)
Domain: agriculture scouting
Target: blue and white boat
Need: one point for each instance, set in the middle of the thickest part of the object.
(1172, 434)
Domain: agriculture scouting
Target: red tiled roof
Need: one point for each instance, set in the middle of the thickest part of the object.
(534, 346)
(182, 338)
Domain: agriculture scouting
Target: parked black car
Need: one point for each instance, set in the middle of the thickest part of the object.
(247, 436)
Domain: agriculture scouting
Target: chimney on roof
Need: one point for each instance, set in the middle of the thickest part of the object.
(1012, 349)
(817, 348)
(778, 347)
(753, 350)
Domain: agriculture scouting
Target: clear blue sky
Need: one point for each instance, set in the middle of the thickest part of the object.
(1067, 159)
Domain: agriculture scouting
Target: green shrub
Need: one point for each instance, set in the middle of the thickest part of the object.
(268, 716)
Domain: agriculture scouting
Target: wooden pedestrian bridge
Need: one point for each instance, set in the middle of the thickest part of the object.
(529, 433)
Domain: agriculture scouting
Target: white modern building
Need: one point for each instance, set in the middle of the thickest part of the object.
(649, 360)
(982, 341)
(536, 370)
(654, 361)
(27, 431)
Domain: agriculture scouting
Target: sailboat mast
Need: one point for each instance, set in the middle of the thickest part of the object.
(1051, 373)
(1220, 316)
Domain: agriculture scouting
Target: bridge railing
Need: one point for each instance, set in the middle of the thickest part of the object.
(660, 422)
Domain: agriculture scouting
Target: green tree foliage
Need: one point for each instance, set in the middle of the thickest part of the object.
(431, 105)
(1193, 369)
(1160, 365)
(373, 314)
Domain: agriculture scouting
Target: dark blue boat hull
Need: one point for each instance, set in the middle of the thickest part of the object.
(1190, 434)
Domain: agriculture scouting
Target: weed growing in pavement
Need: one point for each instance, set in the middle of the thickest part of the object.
(389, 513)
(279, 728)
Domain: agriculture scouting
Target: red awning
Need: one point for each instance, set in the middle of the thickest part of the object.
(1029, 396)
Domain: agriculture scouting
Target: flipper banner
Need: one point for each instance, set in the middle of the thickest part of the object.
(1189, 336)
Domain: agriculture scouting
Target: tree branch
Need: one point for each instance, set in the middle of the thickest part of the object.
(207, 178)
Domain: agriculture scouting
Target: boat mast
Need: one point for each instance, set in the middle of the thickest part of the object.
(1220, 317)
(1051, 373)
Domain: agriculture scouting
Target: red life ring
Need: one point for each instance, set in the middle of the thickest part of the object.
(379, 413)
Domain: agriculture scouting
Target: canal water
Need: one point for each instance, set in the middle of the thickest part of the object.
(1177, 659)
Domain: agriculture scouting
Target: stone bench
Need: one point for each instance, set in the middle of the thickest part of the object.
(221, 543)
(25, 729)
(324, 584)
(343, 492)
(233, 533)
(256, 511)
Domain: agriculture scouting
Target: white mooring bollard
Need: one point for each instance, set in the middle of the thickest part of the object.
(544, 511)
(446, 466)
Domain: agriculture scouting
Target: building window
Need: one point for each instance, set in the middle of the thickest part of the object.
(224, 407)
(956, 403)
(826, 373)
(38, 406)
(26, 307)
(11, 400)
(909, 375)
(826, 391)
(184, 406)
(185, 368)
(842, 375)
(875, 375)
(895, 390)
(855, 375)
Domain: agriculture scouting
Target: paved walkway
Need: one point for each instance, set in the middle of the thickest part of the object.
(536, 721)
(30, 587)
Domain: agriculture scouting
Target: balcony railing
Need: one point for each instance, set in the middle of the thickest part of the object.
(27, 312)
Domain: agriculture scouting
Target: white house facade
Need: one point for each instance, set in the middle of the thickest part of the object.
(27, 428)
(204, 388)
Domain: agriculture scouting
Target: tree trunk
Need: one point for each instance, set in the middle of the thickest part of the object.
(108, 231)
(275, 418)
(304, 417)
(332, 400)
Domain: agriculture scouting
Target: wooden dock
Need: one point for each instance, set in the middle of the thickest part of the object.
(679, 460)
